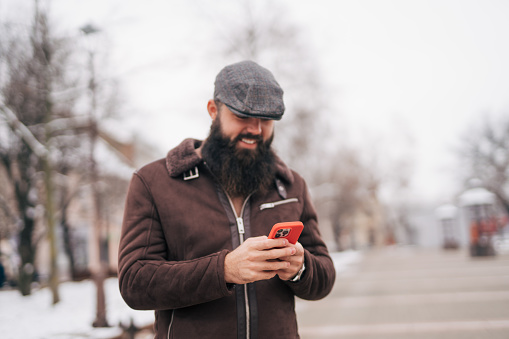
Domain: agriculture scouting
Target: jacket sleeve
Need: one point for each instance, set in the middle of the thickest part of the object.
(147, 280)
(319, 276)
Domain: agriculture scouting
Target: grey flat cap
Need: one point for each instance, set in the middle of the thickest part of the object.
(250, 90)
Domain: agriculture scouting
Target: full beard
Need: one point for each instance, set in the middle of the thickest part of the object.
(241, 172)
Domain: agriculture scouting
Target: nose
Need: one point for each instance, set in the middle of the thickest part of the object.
(254, 126)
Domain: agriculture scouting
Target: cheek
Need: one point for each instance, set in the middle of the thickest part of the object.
(231, 129)
(267, 130)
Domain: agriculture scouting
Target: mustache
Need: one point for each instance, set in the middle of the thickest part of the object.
(257, 138)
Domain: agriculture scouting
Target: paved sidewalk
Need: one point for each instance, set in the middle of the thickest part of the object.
(410, 293)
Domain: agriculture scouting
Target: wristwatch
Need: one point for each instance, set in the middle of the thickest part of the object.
(299, 274)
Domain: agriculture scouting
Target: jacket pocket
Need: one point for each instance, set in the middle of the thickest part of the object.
(277, 203)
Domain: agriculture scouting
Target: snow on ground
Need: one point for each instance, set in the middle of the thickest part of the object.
(34, 317)
(345, 261)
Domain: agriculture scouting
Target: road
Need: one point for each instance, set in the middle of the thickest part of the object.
(410, 293)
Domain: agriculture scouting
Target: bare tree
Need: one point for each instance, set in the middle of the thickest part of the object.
(9, 220)
(23, 92)
(33, 68)
(347, 190)
(346, 201)
(484, 152)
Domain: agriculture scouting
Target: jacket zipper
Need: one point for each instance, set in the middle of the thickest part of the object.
(277, 203)
(240, 227)
(241, 230)
(171, 323)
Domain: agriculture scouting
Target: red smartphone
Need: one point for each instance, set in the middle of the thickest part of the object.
(289, 230)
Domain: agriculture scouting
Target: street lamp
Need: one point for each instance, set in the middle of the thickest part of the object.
(89, 29)
(99, 265)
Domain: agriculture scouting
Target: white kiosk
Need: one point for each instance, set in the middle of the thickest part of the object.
(447, 216)
(478, 205)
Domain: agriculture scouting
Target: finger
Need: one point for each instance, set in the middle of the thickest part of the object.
(274, 243)
(287, 259)
(268, 265)
(263, 243)
(275, 265)
(285, 276)
(299, 247)
(296, 258)
(267, 275)
(262, 273)
(278, 253)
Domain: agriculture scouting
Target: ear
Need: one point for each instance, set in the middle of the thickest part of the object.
(212, 109)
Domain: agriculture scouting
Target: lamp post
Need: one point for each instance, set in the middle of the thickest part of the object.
(99, 265)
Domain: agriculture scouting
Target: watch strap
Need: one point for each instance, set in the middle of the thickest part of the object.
(299, 274)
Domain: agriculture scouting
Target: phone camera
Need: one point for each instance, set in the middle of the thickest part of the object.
(282, 233)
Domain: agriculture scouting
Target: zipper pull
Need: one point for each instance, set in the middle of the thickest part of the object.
(267, 205)
(240, 225)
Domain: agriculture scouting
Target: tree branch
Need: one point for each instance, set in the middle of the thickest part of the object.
(23, 132)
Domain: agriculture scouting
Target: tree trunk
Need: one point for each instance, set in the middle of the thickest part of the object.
(336, 230)
(26, 246)
(66, 234)
(27, 253)
(50, 220)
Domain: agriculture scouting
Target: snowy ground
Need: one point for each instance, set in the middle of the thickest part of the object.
(34, 317)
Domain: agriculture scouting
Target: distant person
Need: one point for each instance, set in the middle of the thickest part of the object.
(2, 274)
(194, 244)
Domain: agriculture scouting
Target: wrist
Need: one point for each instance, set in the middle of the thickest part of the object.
(299, 274)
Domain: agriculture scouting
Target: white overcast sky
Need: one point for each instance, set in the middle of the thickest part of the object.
(404, 77)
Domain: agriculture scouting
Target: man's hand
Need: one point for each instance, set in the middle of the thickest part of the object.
(296, 261)
(257, 259)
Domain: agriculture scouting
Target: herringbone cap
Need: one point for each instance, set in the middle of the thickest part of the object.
(249, 90)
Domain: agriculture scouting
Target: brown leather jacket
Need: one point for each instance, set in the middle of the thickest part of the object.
(178, 227)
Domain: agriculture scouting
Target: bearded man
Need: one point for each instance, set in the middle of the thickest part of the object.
(194, 244)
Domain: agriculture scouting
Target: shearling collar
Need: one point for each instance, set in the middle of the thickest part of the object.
(184, 158)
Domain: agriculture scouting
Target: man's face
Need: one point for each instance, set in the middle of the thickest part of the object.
(248, 132)
(238, 151)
